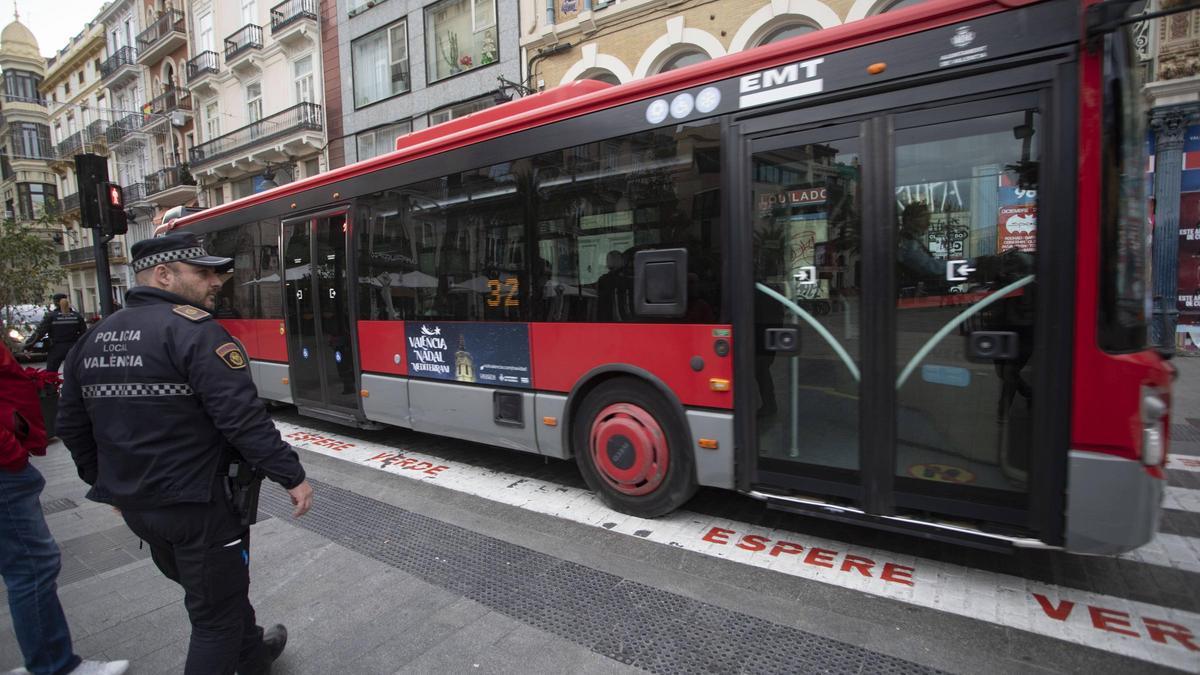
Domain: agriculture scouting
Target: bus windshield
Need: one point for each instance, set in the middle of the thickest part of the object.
(1124, 231)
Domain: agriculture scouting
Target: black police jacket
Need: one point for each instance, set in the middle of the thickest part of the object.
(153, 401)
(64, 328)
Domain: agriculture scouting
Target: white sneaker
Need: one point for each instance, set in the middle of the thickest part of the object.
(101, 668)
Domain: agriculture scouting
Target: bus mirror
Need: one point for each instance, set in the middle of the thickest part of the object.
(660, 282)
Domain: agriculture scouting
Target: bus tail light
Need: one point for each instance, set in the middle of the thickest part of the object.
(1154, 422)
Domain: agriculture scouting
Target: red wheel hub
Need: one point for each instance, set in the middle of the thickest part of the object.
(629, 449)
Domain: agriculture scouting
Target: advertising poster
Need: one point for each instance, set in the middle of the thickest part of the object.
(496, 354)
(1189, 259)
(1016, 227)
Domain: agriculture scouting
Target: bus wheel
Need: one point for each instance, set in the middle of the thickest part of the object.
(632, 450)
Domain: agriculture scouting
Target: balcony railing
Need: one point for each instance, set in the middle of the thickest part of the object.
(165, 179)
(71, 145)
(37, 100)
(249, 37)
(87, 254)
(171, 21)
(70, 202)
(125, 56)
(204, 63)
(134, 193)
(290, 11)
(96, 130)
(125, 126)
(300, 117)
(170, 100)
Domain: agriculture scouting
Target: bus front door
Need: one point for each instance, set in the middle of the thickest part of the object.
(895, 357)
(320, 343)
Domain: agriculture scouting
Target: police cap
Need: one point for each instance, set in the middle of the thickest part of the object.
(175, 247)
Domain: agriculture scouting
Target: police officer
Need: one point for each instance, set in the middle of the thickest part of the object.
(156, 400)
(64, 325)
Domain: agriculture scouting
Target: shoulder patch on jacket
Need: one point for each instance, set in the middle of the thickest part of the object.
(231, 355)
(190, 312)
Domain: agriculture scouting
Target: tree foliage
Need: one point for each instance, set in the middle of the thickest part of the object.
(29, 266)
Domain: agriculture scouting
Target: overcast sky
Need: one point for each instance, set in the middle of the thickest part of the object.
(53, 22)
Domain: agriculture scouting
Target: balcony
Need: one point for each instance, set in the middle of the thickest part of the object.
(85, 256)
(127, 131)
(70, 205)
(165, 35)
(200, 69)
(15, 104)
(119, 69)
(169, 187)
(294, 22)
(294, 132)
(243, 46)
(70, 146)
(172, 102)
(135, 194)
(30, 146)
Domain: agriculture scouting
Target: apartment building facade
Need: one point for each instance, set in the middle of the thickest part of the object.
(255, 79)
(27, 185)
(407, 65)
(618, 41)
(79, 114)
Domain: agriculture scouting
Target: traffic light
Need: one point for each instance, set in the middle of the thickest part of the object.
(112, 209)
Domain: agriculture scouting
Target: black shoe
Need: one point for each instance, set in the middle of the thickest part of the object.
(275, 639)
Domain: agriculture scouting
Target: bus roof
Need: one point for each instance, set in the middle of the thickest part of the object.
(586, 96)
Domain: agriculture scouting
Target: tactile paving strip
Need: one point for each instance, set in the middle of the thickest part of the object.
(57, 505)
(1185, 433)
(627, 621)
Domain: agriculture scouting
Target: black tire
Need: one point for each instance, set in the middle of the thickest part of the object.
(671, 490)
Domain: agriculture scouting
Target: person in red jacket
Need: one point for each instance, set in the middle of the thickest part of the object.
(29, 557)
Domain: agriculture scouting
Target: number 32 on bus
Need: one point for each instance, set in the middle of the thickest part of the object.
(891, 272)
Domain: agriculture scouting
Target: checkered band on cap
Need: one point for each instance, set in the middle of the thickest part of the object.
(168, 256)
(135, 389)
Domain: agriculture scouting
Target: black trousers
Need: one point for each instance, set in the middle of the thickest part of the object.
(205, 549)
(57, 354)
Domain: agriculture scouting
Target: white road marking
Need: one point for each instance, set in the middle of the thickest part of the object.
(1183, 462)
(1160, 635)
(1181, 499)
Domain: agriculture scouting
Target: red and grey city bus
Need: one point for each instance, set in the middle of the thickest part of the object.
(892, 272)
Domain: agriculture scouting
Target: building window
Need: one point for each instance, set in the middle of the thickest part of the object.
(81, 80)
(205, 24)
(33, 199)
(785, 32)
(22, 86)
(302, 71)
(212, 120)
(249, 12)
(463, 36)
(31, 140)
(683, 60)
(460, 110)
(254, 102)
(379, 141)
(380, 64)
(602, 76)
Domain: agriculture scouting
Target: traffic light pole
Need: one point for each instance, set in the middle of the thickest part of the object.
(103, 276)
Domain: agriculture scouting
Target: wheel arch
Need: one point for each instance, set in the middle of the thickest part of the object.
(600, 374)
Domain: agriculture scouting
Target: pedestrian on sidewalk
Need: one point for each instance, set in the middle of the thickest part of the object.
(29, 557)
(63, 326)
(156, 402)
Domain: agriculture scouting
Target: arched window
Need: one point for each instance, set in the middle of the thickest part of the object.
(601, 76)
(683, 59)
(897, 4)
(786, 31)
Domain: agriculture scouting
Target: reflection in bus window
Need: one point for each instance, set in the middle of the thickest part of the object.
(598, 204)
(457, 248)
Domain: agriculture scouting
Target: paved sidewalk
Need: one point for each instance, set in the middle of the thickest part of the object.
(388, 575)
